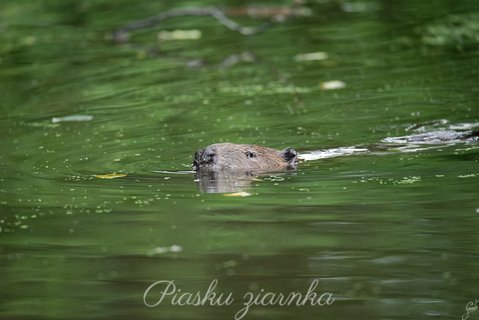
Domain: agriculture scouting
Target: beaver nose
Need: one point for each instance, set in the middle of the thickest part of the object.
(203, 157)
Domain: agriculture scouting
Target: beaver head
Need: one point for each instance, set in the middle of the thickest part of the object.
(245, 157)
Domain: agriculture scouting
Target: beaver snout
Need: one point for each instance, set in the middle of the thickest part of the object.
(204, 157)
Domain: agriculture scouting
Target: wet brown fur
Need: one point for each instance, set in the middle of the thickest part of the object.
(230, 156)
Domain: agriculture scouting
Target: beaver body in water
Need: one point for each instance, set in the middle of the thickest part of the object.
(244, 157)
(229, 167)
(254, 158)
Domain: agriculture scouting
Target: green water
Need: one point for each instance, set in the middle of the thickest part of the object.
(391, 236)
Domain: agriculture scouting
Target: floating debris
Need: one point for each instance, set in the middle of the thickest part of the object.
(462, 176)
(332, 85)
(162, 250)
(110, 175)
(312, 56)
(408, 180)
(272, 88)
(274, 12)
(234, 59)
(195, 63)
(179, 35)
(73, 118)
(176, 248)
(237, 194)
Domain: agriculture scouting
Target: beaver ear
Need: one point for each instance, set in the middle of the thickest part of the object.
(289, 154)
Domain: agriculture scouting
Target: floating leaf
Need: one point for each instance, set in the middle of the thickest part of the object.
(179, 35)
(332, 85)
(73, 118)
(237, 194)
(110, 175)
(312, 56)
(161, 250)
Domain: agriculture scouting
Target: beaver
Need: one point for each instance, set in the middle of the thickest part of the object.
(243, 157)
(255, 158)
(229, 167)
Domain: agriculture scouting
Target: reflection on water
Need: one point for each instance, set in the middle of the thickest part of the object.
(224, 181)
(98, 201)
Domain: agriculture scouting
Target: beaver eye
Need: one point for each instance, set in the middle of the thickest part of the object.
(250, 154)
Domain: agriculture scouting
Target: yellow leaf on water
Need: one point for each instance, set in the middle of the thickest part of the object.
(311, 56)
(179, 35)
(237, 194)
(110, 175)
